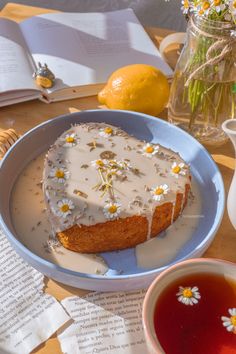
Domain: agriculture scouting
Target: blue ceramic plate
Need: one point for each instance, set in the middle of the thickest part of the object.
(144, 127)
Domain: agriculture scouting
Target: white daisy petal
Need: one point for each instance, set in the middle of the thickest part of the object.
(195, 288)
(149, 150)
(181, 288)
(99, 163)
(106, 132)
(185, 6)
(227, 323)
(124, 165)
(64, 208)
(194, 300)
(59, 174)
(186, 301)
(224, 318)
(230, 328)
(188, 296)
(230, 322)
(232, 312)
(159, 192)
(112, 210)
(70, 140)
(166, 188)
(178, 169)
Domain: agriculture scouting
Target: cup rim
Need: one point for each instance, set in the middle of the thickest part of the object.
(154, 342)
(226, 128)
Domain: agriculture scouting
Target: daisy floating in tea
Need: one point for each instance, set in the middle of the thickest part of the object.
(230, 322)
(188, 296)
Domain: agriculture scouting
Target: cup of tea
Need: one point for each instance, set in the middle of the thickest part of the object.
(191, 308)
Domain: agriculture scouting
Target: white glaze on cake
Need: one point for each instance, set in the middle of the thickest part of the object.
(163, 249)
(34, 230)
(131, 186)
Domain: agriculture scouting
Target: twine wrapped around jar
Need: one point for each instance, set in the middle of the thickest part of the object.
(224, 45)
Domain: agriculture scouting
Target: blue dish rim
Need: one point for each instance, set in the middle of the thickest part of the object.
(52, 266)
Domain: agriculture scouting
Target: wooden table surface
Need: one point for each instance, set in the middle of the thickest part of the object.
(24, 116)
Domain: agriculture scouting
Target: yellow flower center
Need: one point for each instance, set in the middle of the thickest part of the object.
(176, 169)
(108, 130)
(234, 4)
(64, 208)
(187, 293)
(233, 320)
(149, 149)
(112, 209)
(60, 174)
(70, 139)
(217, 2)
(205, 5)
(100, 163)
(159, 191)
(186, 4)
(201, 12)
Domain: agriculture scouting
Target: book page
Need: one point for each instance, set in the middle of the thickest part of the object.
(12, 97)
(16, 66)
(28, 316)
(104, 323)
(85, 48)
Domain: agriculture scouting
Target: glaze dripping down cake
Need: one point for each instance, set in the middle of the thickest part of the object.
(106, 190)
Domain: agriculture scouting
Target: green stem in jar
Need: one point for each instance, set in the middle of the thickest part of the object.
(218, 105)
(205, 97)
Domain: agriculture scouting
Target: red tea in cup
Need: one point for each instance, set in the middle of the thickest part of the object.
(196, 314)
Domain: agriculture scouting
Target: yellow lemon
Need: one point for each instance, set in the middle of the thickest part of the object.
(137, 87)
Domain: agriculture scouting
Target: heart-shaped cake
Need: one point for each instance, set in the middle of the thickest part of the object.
(106, 190)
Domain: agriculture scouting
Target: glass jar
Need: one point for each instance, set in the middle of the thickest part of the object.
(203, 92)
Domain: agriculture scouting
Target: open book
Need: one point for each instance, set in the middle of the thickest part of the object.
(81, 49)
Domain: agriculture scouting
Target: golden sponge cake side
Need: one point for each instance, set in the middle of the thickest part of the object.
(121, 233)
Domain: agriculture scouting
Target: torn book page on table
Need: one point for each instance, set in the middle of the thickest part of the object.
(28, 316)
(104, 323)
